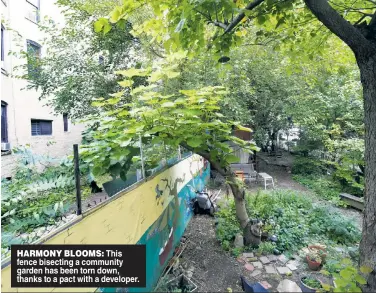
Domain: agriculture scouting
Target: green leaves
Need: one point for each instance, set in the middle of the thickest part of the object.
(194, 142)
(359, 279)
(261, 19)
(102, 24)
(133, 72)
(242, 128)
(115, 15)
(126, 83)
(168, 105)
(366, 270)
(231, 159)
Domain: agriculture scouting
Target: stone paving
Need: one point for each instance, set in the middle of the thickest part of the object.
(270, 271)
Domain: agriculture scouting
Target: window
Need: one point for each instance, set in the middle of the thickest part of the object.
(65, 119)
(2, 44)
(4, 122)
(32, 13)
(34, 54)
(41, 127)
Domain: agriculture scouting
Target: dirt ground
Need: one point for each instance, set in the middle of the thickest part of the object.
(214, 269)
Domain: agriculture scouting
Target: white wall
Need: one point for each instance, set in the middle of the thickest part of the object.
(24, 105)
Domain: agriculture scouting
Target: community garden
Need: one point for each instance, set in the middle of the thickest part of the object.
(191, 76)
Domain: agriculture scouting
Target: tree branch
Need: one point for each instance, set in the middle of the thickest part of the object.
(218, 23)
(339, 26)
(241, 15)
(206, 155)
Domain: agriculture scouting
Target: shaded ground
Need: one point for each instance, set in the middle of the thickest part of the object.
(281, 177)
(214, 269)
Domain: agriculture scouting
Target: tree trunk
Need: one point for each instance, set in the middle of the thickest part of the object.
(241, 211)
(237, 191)
(368, 243)
(239, 197)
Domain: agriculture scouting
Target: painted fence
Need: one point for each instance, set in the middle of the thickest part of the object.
(155, 213)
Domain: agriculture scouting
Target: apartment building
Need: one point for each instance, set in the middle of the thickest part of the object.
(25, 119)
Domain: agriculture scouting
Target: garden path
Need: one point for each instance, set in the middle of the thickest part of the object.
(283, 179)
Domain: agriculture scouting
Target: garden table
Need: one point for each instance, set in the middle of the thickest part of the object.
(267, 178)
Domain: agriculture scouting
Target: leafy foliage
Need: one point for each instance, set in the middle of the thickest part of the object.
(293, 218)
(323, 186)
(227, 226)
(349, 278)
(155, 116)
(68, 80)
(36, 197)
(311, 282)
(307, 166)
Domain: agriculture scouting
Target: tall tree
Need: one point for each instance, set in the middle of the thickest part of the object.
(79, 64)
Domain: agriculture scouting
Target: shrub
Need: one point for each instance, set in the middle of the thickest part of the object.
(323, 186)
(307, 166)
(227, 226)
(292, 218)
(266, 248)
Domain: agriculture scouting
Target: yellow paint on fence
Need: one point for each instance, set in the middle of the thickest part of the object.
(121, 221)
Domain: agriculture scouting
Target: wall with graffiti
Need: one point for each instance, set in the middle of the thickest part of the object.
(154, 213)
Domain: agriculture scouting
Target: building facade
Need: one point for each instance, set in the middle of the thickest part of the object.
(24, 119)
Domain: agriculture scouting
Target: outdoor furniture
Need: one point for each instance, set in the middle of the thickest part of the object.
(240, 174)
(251, 177)
(353, 201)
(245, 172)
(246, 168)
(268, 180)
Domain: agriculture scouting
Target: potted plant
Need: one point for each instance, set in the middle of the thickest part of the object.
(320, 250)
(314, 260)
(310, 284)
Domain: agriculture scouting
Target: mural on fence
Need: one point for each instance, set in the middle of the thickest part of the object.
(164, 235)
(154, 213)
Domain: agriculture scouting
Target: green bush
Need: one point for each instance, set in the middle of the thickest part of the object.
(228, 225)
(307, 166)
(336, 227)
(266, 248)
(292, 217)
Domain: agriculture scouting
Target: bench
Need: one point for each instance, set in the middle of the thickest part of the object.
(266, 178)
(245, 171)
(351, 200)
(246, 168)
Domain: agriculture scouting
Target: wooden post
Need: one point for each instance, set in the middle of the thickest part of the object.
(77, 178)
